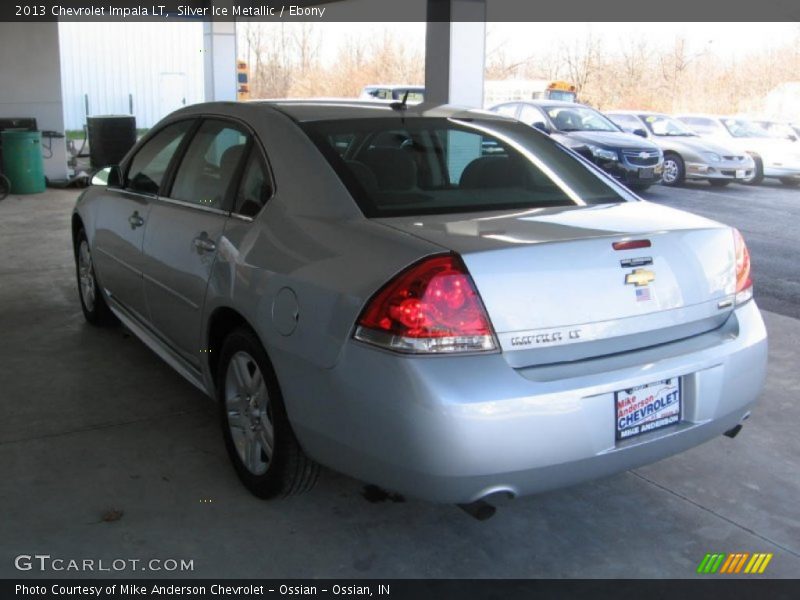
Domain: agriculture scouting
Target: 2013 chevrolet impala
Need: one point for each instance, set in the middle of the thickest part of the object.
(442, 302)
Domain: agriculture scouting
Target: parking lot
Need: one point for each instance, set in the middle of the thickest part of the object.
(91, 422)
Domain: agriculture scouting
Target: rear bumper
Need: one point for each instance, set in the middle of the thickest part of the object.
(454, 429)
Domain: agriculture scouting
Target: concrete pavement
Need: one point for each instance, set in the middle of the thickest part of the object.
(90, 421)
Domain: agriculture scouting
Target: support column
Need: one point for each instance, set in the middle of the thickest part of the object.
(455, 52)
(219, 60)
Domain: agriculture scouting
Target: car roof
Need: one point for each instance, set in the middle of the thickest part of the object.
(394, 86)
(701, 116)
(549, 103)
(636, 112)
(324, 110)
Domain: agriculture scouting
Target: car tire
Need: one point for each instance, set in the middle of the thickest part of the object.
(758, 172)
(258, 436)
(5, 187)
(719, 183)
(93, 303)
(674, 170)
(790, 181)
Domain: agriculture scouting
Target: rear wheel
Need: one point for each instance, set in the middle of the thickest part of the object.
(674, 170)
(93, 303)
(718, 182)
(758, 173)
(258, 436)
(790, 181)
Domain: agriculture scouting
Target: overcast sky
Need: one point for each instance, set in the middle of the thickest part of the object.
(520, 40)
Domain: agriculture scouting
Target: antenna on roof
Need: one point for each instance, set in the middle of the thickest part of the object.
(402, 105)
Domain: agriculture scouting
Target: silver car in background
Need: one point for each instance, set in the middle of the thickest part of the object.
(773, 157)
(686, 154)
(441, 302)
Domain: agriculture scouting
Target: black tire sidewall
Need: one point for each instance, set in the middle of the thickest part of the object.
(758, 172)
(271, 483)
(681, 169)
(100, 313)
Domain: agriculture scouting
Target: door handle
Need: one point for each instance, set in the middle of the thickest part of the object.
(135, 220)
(204, 244)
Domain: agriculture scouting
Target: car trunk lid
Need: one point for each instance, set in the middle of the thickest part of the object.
(556, 289)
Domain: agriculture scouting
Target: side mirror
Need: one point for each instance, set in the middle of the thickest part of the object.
(108, 176)
(541, 127)
(640, 132)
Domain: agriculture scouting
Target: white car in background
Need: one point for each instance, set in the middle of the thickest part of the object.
(774, 157)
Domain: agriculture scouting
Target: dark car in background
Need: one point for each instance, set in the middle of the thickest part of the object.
(628, 158)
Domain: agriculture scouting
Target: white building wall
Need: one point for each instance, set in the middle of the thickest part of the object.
(160, 64)
(31, 85)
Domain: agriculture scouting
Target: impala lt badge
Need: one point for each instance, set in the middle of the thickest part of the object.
(640, 277)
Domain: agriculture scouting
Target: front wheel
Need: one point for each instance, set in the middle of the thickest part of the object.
(758, 173)
(674, 170)
(258, 436)
(5, 187)
(93, 303)
(790, 181)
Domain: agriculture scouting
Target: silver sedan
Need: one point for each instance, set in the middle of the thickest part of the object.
(444, 303)
(686, 154)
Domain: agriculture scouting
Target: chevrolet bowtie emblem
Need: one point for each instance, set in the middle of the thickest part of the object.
(640, 277)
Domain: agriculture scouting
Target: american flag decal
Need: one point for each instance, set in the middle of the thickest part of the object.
(642, 294)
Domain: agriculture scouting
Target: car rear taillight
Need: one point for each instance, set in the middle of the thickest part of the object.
(744, 282)
(431, 307)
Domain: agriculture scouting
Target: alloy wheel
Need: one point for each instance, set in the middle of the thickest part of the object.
(249, 413)
(86, 276)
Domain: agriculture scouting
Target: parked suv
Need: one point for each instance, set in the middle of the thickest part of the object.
(632, 160)
(686, 154)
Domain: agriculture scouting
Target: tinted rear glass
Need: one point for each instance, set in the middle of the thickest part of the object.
(421, 165)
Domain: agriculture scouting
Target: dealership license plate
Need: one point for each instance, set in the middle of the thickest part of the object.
(740, 173)
(647, 408)
(646, 173)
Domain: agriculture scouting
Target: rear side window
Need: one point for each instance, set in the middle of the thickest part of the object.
(426, 165)
(530, 115)
(210, 163)
(151, 162)
(507, 110)
(255, 188)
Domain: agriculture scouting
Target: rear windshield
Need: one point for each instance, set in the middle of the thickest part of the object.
(426, 165)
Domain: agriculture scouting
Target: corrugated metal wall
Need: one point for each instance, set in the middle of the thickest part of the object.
(160, 64)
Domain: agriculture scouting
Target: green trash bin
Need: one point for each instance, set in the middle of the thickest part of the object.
(22, 161)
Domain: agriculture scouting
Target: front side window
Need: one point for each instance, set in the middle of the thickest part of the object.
(428, 165)
(530, 115)
(212, 158)
(151, 162)
(507, 110)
